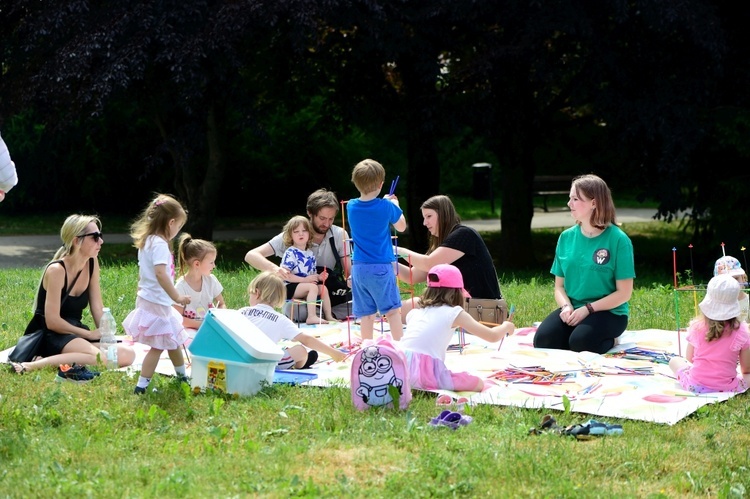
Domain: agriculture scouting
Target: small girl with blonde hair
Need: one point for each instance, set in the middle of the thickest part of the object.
(198, 256)
(303, 280)
(266, 295)
(717, 339)
(154, 322)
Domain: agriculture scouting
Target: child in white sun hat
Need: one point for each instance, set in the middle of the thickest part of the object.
(731, 266)
(717, 339)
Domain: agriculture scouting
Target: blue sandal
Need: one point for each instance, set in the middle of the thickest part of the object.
(451, 419)
(597, 428)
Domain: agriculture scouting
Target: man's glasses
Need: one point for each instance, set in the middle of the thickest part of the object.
(95, 235)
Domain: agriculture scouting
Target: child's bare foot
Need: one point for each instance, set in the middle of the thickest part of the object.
(316, 320)
(331, 319)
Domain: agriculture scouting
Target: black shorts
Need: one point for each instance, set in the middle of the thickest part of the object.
(291, 287)
(53, 343)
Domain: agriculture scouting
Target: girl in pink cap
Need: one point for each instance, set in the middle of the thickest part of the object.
(430, 328)
(717, 339)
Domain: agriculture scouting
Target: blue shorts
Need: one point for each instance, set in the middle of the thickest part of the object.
(374, 289)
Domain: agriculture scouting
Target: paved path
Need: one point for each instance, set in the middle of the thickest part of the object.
(35, 251)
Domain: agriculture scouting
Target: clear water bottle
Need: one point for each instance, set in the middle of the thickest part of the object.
(108, 342)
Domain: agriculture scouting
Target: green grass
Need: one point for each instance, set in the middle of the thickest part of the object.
(99, 440)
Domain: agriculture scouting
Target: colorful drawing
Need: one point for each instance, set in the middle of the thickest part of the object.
(217, 376)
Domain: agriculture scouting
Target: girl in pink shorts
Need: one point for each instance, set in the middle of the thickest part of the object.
(430, 327)
(154, 322)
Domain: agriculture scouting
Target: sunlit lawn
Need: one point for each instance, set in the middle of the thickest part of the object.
(100, 440)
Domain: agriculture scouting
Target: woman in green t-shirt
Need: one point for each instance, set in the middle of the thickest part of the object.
(594, 274)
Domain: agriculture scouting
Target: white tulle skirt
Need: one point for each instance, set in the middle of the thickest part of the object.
(159, 326)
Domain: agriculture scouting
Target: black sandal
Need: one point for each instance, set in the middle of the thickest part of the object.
(13, 369)
(548, 425)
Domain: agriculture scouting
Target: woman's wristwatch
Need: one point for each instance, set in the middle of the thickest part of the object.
(590, 308)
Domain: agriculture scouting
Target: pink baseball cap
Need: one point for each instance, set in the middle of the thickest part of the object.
(445, 275)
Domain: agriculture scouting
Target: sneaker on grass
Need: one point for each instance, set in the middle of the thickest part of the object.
(75, 373)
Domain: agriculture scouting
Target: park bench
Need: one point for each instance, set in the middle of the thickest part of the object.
(550, 185)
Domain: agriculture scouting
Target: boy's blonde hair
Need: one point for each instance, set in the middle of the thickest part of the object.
(270, 288)
(189, 249)
(154, 219)
(292, 224)
(368, 175)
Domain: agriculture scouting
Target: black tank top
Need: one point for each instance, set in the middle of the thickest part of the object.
(73, 307)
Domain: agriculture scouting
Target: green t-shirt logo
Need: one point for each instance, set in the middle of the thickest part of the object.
(601, 256)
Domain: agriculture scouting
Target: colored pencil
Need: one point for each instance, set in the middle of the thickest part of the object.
(394, 183)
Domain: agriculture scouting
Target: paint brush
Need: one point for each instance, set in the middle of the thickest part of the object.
(510, 316)
(511, 312)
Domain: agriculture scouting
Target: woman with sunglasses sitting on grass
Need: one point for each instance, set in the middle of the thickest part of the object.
(69, 284)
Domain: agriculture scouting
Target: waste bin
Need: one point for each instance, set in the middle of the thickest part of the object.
(482, 180)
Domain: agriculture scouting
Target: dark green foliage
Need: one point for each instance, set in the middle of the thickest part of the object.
(217, 101)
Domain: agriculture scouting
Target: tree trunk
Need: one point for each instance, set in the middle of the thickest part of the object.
(423, 173)
(517, 169)
(198, 178)
(423, 182)
(203, 205)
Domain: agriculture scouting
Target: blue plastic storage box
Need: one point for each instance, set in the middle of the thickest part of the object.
(231, 354)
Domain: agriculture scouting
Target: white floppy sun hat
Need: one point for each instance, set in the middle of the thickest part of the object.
(721, 302)
(728, 265)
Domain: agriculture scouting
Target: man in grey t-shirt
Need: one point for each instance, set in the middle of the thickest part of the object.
(322, 208)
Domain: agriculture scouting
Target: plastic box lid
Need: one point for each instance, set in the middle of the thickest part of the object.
(227, 335)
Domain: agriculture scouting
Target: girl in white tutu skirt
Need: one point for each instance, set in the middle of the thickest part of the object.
(154, 321)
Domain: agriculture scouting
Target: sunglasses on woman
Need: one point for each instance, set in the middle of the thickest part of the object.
(95, 235)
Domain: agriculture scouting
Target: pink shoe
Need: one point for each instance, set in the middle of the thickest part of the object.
(445, 400)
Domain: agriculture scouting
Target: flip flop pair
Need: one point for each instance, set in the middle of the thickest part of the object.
(451, 419)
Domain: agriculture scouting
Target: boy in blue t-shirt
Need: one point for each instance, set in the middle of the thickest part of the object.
(374, 286)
